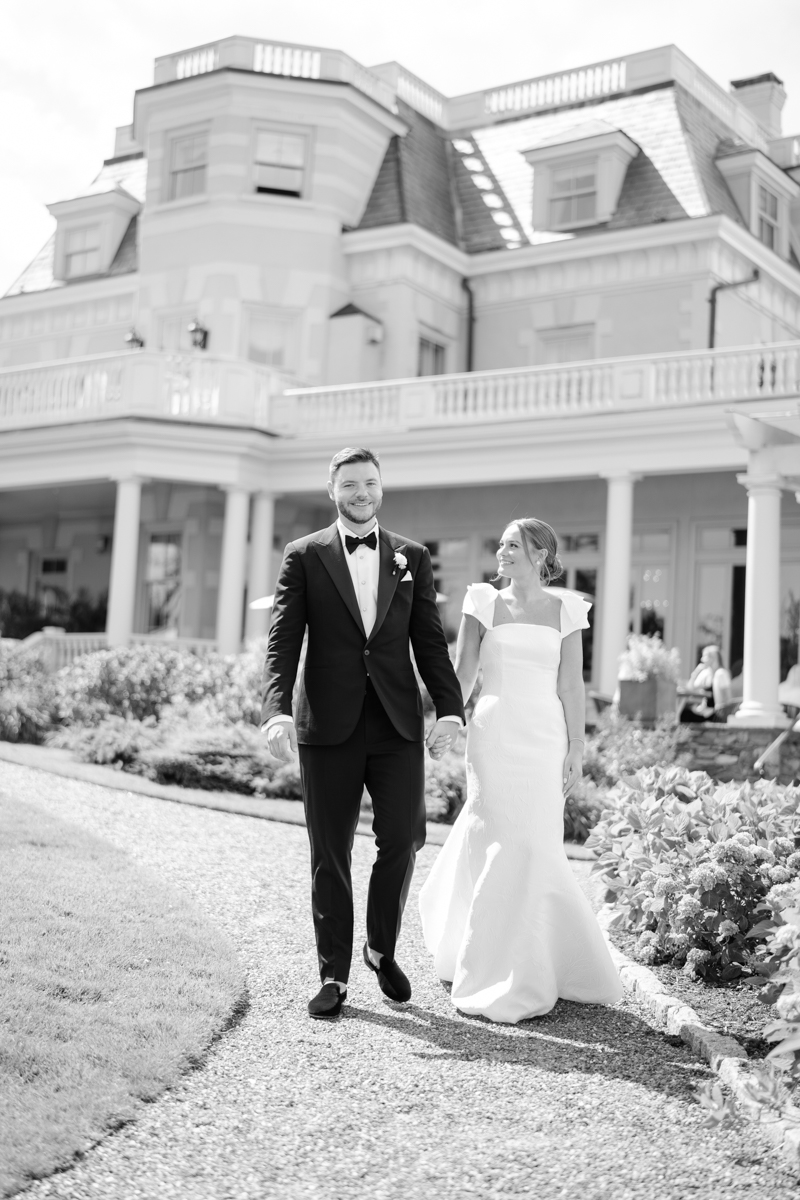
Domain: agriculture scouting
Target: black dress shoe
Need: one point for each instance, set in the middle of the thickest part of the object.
(327, 1003)
(391, 980)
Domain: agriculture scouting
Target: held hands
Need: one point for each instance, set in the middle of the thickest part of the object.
(282, 740)
(573, 766)
(442, 738)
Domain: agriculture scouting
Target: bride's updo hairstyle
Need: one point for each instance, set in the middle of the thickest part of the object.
(538, 536)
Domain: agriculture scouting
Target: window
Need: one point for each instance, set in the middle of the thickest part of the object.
(768, 217)
(280, 159)
(163, 581)
(83, 251)
(188, 166)
(573, 199)
(571, 344)
(267, 340)
(431, 358)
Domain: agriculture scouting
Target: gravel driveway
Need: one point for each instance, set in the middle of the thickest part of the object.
(413, 1101)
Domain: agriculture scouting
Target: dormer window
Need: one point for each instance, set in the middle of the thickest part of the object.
(574, 196)
(768, 218)
(280, 163)
(82, 251)
(577, 176)
(189, 163)
(762, 191)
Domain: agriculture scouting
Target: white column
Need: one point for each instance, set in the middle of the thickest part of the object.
(260, 580)
(230, 599)
(762, 606)
(124, 562)
(615, 600)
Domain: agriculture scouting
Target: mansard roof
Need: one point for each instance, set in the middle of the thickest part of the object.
(673, 176)
(128, 175)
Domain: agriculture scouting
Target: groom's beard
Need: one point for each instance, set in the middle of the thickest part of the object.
(358, 515)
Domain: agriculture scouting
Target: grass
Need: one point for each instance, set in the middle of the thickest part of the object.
(111, 987)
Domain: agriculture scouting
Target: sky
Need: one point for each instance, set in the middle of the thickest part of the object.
(69, 68)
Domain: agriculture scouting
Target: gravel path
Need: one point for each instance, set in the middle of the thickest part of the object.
(393, 1101)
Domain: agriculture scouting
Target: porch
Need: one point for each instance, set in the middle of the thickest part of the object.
(607, 430)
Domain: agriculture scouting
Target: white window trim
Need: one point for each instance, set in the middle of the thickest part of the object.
(170, 138)
(306, 133)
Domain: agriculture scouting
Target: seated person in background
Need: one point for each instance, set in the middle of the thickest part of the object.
(709, 688)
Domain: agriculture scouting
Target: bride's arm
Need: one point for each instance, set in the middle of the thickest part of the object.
(573, 698)
(468, 648)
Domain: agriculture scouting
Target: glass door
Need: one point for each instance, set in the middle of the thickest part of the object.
(163, 590)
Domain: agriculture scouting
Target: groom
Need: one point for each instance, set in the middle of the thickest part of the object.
(363, 594)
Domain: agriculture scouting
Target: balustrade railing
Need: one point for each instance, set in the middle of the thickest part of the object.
(192, 387)
(710, 377)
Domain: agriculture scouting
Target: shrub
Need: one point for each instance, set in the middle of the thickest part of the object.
(582, 810)
(647, 656)
(767, 1095)
(688, 862)
(143, 681)
(618, 747)
(445, 786)
(115, 741)
(27, 696)
(22, 615)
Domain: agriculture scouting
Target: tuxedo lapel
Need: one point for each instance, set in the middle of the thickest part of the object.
(388, 579)
(331, 555)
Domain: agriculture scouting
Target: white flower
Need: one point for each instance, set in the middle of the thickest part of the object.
(400, 560)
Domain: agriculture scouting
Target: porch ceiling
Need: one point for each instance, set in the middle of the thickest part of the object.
(69, 500)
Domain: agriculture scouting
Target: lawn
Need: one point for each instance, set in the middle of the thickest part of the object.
(111, 987)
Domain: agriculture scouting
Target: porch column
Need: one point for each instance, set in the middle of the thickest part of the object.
(762, 606)
(614, 614)
(124, 562)
(230, 599)
(260, 582)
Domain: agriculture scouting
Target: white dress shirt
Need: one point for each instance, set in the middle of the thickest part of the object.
(364, 567)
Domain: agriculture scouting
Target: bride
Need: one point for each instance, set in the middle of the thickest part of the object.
(502, 912)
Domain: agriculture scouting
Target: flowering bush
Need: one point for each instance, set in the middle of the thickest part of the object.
(27, 696)
(688, 862)
(647, 656)
(143, 681)
(618, 747)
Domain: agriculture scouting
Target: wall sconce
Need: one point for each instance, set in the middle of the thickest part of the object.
(199, 334)
(133, 341)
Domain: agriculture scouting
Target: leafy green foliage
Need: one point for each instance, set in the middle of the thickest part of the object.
(646, 656)
(618, 747)
(27, 696)
(22, 615)
(688, 862)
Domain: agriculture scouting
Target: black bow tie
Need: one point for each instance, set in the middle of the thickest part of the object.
(352, 543)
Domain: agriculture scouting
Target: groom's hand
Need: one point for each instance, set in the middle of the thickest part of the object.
(442, 738)
(282, 740)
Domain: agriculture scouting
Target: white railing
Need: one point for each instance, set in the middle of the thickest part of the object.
(549, 90)
(58, 648)
(274, 58)
(713, 377)
(195, 387)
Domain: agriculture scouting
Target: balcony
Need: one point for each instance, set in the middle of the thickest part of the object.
(192, 387)
(225, 392)
(668, 381)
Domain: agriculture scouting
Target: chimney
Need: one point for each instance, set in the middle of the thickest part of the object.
(764, 96)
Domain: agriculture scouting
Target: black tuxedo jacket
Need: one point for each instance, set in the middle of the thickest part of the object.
(315, 590)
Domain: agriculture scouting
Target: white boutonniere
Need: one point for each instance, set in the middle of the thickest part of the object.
(400, 561)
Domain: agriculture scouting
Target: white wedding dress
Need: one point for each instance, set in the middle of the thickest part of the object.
(502, 912)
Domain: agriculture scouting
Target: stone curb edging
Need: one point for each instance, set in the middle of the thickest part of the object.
(727, 1059)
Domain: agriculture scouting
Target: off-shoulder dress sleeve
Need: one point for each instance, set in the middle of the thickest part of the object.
(479, 603)
(574, 611)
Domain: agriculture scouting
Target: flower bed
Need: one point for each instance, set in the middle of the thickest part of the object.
(688, 861)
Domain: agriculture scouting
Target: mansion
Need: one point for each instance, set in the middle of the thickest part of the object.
(575, 297)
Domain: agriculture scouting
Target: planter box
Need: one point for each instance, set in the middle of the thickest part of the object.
(649, 699)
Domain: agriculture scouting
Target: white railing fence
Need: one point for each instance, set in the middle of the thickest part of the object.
(58, 648)
(194, 387)
(666, 381)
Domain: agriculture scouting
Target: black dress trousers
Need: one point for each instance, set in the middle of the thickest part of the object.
(393, 771)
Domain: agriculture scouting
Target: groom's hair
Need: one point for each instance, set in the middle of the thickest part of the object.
(352, 454)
